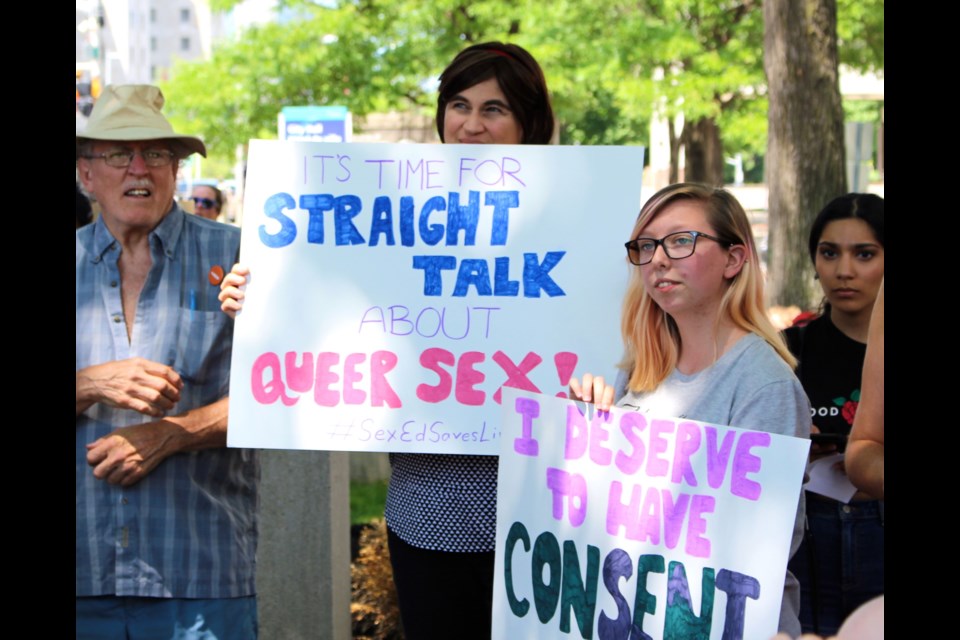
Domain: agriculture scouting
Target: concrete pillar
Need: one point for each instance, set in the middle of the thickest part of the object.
(369, 466)
(303, 558)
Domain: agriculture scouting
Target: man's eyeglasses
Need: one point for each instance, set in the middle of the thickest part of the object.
(677, 246)
(204, 203)
(123, 159)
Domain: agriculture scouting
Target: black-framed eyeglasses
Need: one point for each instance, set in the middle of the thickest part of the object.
(677, 246)
(122, 159)
(204, 203)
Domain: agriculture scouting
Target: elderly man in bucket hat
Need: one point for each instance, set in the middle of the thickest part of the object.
(166, 514)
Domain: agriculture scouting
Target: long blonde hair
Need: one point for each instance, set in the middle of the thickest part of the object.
(650, 336)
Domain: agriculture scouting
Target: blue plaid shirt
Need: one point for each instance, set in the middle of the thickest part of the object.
(189, 528)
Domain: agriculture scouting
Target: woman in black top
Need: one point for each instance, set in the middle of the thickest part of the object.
(840, 562)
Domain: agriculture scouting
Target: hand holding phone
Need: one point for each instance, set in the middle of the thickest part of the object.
(827, 441)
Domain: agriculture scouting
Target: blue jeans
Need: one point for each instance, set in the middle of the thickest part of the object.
(133, 618)
(839, 563)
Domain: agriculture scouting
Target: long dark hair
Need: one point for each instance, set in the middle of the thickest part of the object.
(519, 76)
(862, 206)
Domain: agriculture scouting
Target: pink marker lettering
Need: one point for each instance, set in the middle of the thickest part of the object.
(688, 442)
(697, 544)
(322, 393)
(598, 435)
(631, 424)
(432, 359)
(572, 486)
(717, 460)
(381, 393)
(351, 375)
(657, 466)
(745, 462)
(468, 378)
(526, 444)
(673, 515)
(274, 389)
(299, 378)
(577, 433)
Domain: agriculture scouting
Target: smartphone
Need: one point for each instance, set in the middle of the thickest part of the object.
(838, 439)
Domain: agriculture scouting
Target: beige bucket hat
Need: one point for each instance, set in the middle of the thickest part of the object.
(132, 112)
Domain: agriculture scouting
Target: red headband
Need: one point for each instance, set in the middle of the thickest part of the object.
(499, 52)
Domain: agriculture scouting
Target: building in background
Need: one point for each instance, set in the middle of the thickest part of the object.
(138, 41)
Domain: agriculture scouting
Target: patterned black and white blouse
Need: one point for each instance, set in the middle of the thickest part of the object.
(444, 502)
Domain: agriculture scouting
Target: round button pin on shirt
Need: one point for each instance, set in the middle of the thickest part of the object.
(215, 275)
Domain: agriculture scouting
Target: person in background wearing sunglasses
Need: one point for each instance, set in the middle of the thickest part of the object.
(166, 522)
(207, 201)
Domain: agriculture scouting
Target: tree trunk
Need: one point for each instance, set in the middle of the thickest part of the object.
(805, 153)
(674, 152)
(703, 151)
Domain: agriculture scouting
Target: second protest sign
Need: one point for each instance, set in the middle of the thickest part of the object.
(622, 524)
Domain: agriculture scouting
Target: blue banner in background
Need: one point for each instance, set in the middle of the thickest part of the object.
(322, 124)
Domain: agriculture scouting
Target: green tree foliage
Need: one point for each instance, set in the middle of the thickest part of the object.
(237, 94)
(860, 34)
(611, 64)
(712, 74)
(587, 57)
(372, 55)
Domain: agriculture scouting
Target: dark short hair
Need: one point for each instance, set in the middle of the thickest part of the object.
(519, 76)
(862, 206)
(84, 210)
(218, 195)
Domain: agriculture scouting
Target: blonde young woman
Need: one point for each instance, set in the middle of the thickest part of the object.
(698, 342)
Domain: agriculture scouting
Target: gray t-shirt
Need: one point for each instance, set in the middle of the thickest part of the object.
(749, 387)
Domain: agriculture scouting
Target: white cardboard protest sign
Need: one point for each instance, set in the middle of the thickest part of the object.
(613, 523)
(396, 289)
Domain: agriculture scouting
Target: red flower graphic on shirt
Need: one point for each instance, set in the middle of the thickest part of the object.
(848, 408)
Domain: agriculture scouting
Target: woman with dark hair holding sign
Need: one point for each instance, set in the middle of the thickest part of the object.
(698, 342)
(441, 509)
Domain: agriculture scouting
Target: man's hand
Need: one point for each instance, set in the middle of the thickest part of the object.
(128, 454)
(141, 385)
